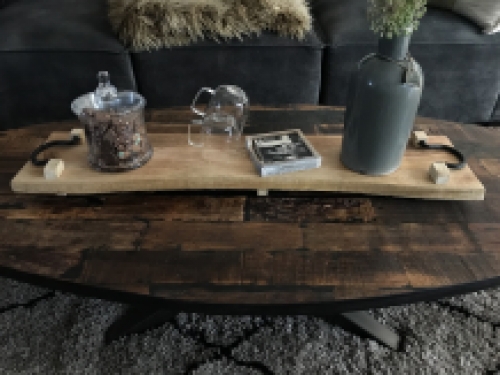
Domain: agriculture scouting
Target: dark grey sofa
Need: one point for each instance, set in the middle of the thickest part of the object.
(51, 50)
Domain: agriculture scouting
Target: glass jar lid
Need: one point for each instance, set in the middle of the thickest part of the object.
(107, 98)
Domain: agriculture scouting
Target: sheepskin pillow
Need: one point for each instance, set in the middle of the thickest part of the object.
(486, 13)
(151, 24)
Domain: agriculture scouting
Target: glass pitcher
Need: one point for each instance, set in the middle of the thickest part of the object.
(225, 114)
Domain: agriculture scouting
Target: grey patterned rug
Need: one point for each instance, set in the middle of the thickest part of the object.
(47, 332)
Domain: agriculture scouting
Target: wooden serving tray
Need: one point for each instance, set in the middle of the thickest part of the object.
(177, 166)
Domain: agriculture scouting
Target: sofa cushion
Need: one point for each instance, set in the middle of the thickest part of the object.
(460, 64)
(50, 53)
(4, 2)
(269, 68)
(486, 13)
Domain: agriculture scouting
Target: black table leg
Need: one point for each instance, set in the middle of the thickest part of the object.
(364, 325)
(136, 320)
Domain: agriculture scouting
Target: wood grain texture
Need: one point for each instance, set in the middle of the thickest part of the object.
(325, 209)
(445, 238)
(176, 166)
(222, 236)
(310, 253)
(122, 207)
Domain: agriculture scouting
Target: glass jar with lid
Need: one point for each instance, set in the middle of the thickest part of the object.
(115, 127)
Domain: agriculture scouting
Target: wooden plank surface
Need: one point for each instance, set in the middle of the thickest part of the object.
(176, 166)
(290, 248)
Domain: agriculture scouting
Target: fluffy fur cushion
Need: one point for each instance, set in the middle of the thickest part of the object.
(151, 24)
(486, 13)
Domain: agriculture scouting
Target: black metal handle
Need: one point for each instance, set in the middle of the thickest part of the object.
(461, 158)
(75, 139)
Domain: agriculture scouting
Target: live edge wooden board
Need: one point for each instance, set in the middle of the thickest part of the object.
(222, 166)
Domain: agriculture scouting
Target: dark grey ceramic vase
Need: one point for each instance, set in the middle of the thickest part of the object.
(383, 98)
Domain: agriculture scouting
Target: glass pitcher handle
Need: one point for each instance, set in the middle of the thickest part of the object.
(190, 140)
(201, 91)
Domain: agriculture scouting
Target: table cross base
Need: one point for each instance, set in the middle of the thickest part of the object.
(136, 320)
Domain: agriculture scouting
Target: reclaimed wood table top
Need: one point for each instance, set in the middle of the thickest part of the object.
(235, 252)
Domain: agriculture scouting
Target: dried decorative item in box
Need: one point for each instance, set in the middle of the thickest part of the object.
(282, 152)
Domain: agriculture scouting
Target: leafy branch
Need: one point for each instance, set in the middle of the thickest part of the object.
(390, 18)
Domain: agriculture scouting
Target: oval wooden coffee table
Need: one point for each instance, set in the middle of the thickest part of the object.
(237, 253)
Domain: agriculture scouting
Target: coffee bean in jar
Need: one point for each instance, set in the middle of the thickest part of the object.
(116, 141)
